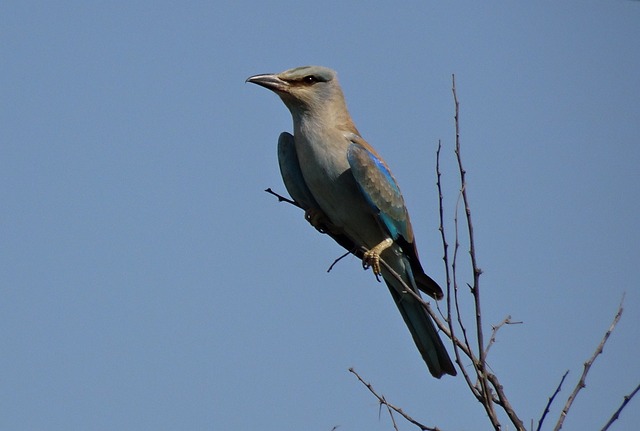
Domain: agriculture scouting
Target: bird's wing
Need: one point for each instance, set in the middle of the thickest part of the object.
(379, 188)
(291, 173)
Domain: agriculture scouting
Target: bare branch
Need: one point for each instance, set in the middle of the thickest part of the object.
(480, 365)
(454, 269)
(587, 366)
(456, 300)
(625, 401)
(393, 419)
(494, 330)
(457, 345)
(503, 401)
(383, 401)
(546, 408)
(338, 260)
(472, 252)
(445, 245)
(282, 198)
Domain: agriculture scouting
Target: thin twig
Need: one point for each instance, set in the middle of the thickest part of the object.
(454, 269)
(551, 398)
(616, 414)
(282, 198)
(338, 260)
(494, 331)
(382, 400)
(454, 266)
(445, 258)
(480, 366)
(587, 366)
(393, 419)
(445, 245)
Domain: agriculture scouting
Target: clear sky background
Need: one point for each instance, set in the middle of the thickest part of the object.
(148, 282)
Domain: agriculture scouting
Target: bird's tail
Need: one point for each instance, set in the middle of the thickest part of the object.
(421, 326)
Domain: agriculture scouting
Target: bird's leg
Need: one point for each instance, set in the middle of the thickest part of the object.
(318, 219)
(371, 258)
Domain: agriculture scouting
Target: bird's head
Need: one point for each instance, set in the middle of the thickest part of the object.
(303, 89)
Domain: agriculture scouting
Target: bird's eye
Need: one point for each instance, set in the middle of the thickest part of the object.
(309, 79)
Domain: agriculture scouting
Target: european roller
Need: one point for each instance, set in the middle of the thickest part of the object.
(348, 192)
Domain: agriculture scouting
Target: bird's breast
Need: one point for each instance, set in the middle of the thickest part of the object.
(324, 165)
(325, 168)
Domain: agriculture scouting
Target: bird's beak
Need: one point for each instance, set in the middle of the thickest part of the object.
(270, 81)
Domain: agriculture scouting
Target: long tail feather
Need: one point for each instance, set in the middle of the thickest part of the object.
(422, 328)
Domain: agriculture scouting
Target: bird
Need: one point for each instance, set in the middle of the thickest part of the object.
(348, 192)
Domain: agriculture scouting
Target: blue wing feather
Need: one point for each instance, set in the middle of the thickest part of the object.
(379, 188)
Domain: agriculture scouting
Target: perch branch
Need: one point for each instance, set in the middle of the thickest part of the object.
(282, 198)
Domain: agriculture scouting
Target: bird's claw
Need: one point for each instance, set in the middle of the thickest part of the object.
(317, 219)
(371, 258)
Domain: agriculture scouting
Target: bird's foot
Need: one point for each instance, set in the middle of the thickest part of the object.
(371, 258)
(318, 219)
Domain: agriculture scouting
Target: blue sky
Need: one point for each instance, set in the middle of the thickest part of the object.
(148, 282)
